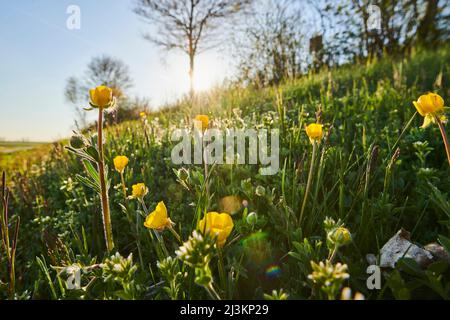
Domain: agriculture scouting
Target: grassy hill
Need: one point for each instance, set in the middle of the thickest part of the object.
(359, 180)
(16, 155)
(14, 146)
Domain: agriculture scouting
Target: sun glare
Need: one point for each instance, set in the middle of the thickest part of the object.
(210, 71)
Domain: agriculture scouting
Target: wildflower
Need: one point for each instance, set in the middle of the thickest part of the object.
(196, 252)
(101, 97)
(276, 295)
(203, 120)
(314, 132)
(139, 191)
(252, 218)
(142, 115)
(431, 107)
(120, 162)
(182, 174)
(158, 219)
(218, 225)
(428, 105)
(118, 268)
(329, 277)
(327, 273)
(347, 295)
(260, 191)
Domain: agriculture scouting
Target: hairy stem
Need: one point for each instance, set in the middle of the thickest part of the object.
(124, 188)
(103, 191)
(309, 183)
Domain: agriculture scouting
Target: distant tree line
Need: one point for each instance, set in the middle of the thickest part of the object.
(285, 38)
(271, 41)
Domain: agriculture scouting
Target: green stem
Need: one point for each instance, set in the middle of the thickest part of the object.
(176, 235)
(124, 188)
(205, 169)
(103, 191)
(308, 184)
(403, 132)
(212, 292)
(332, 254)
(222, 275)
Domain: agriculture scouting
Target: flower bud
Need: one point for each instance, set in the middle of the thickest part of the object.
(252, 218)
(77, 142)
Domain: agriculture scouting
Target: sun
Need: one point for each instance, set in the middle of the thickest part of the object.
(210, 71)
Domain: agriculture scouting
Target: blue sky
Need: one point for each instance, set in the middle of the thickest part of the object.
(38, 53)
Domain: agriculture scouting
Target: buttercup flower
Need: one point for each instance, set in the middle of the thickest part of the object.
(430, 105)
(142, 114)
(159, 218)
(101, 97)
(219, 225)
(314, 132)
(120, 162)
(139, 191)
(204, 121)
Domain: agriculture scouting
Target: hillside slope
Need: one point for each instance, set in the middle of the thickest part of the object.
(358, 179)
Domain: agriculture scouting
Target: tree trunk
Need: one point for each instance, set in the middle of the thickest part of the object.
(191, 76)
(427, 30)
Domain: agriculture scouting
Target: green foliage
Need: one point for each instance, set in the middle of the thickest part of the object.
(371, 175)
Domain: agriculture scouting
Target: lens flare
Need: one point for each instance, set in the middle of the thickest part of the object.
(257, 249)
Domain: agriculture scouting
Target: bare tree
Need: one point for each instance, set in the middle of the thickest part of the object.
(402, 26)
(187, 25)
(269, 46)
(109, 71)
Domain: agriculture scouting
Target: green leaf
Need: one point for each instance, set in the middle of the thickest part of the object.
(92, 172)
(398, 286)
(42, 265)
(93, 153)
(80, 153)
(438, 267)
(410, 266)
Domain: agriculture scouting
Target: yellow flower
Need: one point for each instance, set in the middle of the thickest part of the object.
(314, 132)
(139, 191)
(204, 121)
(101, 97)
(158, 219)
(218, 225)
(120, 162)
(142, 114)
(430, 105)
